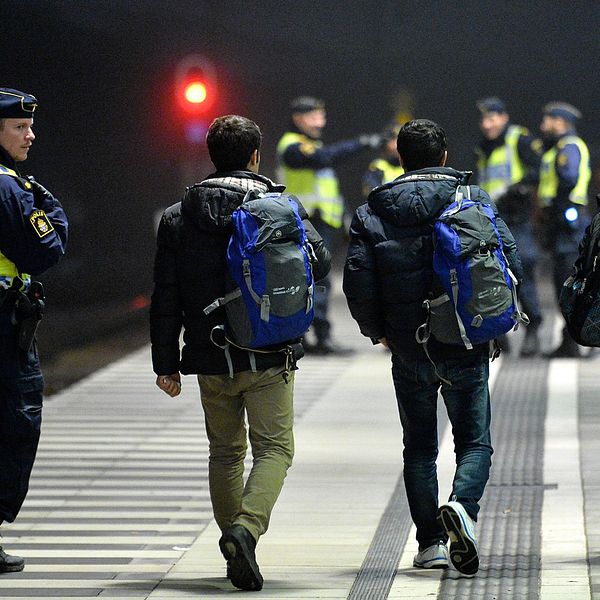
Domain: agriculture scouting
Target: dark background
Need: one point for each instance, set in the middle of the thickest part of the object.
(108, 129)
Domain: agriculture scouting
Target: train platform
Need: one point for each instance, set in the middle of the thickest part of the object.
(119, 506)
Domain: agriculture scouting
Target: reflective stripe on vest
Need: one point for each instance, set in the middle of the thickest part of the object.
(548, 186)
(503, 166)
(317, 190)
(9, 274)
(390, 172)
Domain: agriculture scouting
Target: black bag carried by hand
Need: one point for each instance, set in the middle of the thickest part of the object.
(580, 295)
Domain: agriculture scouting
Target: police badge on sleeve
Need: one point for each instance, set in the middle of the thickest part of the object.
(41, 223)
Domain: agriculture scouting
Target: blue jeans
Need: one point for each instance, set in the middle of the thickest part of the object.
(467, 401)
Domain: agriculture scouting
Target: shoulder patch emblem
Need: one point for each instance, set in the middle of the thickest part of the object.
(563, 159)
(536, 146)
(40, 223)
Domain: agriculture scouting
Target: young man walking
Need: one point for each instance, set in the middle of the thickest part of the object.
(190, 272)
(388, 274)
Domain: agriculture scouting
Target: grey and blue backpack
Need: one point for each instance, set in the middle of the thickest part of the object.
(478, 292)
(270, 296)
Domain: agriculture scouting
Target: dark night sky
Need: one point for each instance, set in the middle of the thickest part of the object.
(103, 72)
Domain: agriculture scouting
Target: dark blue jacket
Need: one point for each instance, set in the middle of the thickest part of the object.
(389, 265)
(20, 242)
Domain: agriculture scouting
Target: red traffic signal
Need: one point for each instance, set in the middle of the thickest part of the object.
(195, 84)
(196, 92)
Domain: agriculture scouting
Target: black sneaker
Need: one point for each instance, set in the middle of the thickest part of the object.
(531, 344)
(328, 347)
(237, 546)
(10, 564)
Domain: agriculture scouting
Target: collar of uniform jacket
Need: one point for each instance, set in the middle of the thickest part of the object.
(417, 196)
(7, 160)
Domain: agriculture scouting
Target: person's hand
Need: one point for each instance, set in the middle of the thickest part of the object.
(170, 384)
(371, 140)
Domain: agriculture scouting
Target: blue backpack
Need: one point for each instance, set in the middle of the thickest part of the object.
(479, 298)
(270, 301)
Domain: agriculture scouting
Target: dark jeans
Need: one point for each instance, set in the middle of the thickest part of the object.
(563, 243)
(321, 324)
(467, 401)
(21, 387)
(528, 295)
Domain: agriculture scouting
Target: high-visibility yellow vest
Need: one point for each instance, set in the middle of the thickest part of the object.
(548, 186)
(10, 277)
(503, 166)
(390, 171)
(317, 190)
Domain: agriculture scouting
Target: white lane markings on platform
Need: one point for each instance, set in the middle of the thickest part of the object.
(564, 555)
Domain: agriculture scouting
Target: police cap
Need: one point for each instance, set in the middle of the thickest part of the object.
(15, 104)
(491, 104)
(304, 104)
(562, 109)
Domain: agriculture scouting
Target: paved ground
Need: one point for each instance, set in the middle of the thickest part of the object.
(119, 506)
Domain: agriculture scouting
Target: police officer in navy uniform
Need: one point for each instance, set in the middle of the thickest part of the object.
(306, 169)
(508, 164)
(563, 196)
(33, 235)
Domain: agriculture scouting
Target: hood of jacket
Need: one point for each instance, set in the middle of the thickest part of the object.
(210, 203)
(417, 197)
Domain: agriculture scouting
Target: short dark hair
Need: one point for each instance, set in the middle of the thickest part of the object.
(231, 140)
(421, 143)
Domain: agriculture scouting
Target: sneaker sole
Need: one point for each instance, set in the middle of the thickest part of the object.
(242, 570)
(12, 569)
(463, 550)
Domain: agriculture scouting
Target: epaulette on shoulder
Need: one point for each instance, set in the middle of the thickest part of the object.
(13, 175)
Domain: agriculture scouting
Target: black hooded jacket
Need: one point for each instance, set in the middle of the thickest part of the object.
(389, 266)
(190, 272)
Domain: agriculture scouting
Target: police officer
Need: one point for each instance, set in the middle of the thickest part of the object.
(306, 170)
(33, 234)
(387, 167)
(562, 194)
(508, 162)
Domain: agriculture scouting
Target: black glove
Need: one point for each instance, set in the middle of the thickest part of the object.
(515, 204)
(371, 140)
(519, 191)
(40, 193)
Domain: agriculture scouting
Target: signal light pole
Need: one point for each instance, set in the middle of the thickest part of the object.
(196, 92)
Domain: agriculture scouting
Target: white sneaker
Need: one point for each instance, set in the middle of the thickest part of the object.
(460, 528)
(433, 557)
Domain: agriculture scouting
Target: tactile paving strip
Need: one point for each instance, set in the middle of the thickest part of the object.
(510, 518)
(509, 527)
(376, 574)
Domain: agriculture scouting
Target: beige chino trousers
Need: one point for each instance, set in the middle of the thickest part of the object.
(265, 400)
